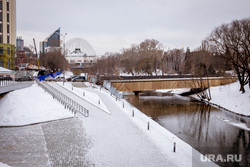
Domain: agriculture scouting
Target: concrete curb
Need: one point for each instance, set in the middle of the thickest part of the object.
(36, 123)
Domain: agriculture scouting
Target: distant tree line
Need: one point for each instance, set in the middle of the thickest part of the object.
(226, 48)
(150, 58)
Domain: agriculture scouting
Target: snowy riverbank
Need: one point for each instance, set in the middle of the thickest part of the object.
(30, 105)
(226, 96)
(230, 98)
(117, 138)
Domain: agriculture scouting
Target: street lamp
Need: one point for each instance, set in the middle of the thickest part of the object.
(64, 56)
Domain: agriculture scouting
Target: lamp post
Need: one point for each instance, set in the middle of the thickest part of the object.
(64, 57)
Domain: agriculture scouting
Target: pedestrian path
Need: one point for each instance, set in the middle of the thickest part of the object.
(117, 141)
(89, 106)
(66, 142)
(58, 143)
(23, 147)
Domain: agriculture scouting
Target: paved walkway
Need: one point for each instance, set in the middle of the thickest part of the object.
(58, 143)
(117, 141)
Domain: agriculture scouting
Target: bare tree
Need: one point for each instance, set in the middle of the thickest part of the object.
(129, 59)
(150, 52)
(107, 65)
(53, 60)
(202, 88)
(232, 42)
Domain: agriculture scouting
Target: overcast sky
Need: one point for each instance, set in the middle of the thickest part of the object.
(110, 25)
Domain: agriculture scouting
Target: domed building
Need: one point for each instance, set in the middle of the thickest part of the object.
(79, 53)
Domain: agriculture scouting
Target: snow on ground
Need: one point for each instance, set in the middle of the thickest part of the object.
(3, 165)
(226, 96)
(30, 105)
(117, 139)
(229, 97)
(174, 91)
(86, 95)
(67, 74)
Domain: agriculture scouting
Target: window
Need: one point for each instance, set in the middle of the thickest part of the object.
(1, 39)
(8, 6)
(1, 27)
(8, 39)
(8, 17)
(8, 63)
(1, 16)
(8, 28)
(8, 51)
(1, 5)
(1, 50)
(1, 62)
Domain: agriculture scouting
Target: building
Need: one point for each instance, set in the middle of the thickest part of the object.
(79, 53)
(7, 33)
(51, 41)
(19, 44)
(4, 72)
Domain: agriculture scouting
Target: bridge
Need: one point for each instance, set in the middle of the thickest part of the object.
(154, 84)
(8, 86)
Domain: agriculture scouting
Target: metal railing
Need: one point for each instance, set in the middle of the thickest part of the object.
(112, 90)
(5, 82)
(68, 103)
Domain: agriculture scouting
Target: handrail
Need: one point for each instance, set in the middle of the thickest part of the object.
(65, 100)
(5, 82)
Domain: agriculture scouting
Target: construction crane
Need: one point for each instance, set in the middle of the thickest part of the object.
(33, 63)
(36, 54)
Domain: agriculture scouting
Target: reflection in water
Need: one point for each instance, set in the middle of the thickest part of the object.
(200, 125)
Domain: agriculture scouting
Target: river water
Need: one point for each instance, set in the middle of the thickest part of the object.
(209, 130)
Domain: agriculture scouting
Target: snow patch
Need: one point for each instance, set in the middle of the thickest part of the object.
(238, 124)
(90, 97)
(4, 165)
(229, 97)
(30, 105)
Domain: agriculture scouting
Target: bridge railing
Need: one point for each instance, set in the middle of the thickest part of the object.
(64, 100)
(147, 77)
(112, 90)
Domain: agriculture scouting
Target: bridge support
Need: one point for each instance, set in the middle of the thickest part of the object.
(137, 93)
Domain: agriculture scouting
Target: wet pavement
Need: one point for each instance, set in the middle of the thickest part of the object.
(57, 143)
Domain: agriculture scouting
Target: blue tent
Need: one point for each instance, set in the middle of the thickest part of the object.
(42, 78)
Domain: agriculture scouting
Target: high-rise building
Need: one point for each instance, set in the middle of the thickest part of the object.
(19, 44)
(51, 41)
(7, 33)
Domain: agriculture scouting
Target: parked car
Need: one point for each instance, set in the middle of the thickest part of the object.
(59, 79)
(24, 78)
(70, 78)
(49, 78)
(78, 79)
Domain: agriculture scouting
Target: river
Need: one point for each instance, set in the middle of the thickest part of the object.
(207, 129)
